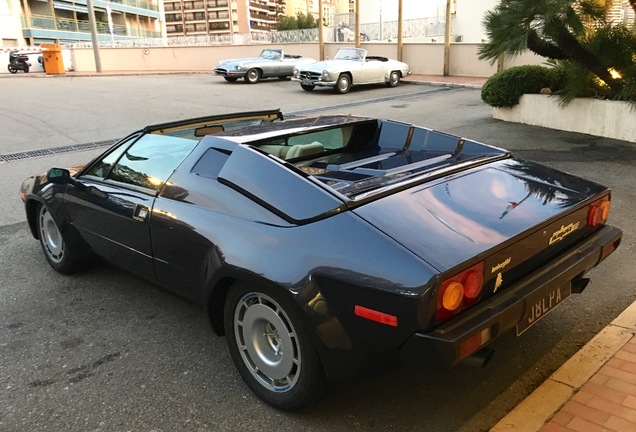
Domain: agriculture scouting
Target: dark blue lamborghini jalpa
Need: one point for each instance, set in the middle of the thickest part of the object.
(317, 244)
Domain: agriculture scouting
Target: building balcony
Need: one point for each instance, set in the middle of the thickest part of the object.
(47, 27)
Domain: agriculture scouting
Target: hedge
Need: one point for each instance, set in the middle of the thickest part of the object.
(504, 88)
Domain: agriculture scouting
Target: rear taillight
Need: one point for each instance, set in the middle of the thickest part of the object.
(459, 292)
(598, 212)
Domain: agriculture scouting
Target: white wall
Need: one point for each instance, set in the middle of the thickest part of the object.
(10, 24)
(468, 19)
(611, 119)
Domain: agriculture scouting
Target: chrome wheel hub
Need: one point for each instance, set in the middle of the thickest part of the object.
(267, 342)
(51, 237)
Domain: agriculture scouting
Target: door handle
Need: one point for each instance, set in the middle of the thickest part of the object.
(141, 213)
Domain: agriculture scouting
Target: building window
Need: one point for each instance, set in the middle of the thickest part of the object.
(217, 26)
(173, 17)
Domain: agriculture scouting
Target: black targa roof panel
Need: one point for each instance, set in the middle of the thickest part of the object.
(282, 190)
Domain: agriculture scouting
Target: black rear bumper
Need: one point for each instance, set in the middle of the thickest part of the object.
(505, 310)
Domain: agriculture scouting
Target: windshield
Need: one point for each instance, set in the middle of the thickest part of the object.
(350, 54)
(271, 54)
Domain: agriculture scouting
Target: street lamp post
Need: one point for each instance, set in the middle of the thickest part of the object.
(447, 35)
(93, 25)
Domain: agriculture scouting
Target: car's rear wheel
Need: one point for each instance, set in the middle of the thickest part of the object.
(307, 87)
(394, 79)
(230, 79)
(253, 76)
(271, 347)
(343, 85)
(55, 248)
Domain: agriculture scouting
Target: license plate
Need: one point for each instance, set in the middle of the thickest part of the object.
(540, 304)
(306, 82)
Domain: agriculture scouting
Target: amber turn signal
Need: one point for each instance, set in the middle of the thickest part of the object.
(598, 212)
(453, 296)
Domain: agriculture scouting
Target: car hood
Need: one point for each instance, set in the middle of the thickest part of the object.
(234, 62)
(456, 218)
(331, 65)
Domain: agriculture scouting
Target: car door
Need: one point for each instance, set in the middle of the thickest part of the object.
(112, 199)
(370, 71)
(111, 203)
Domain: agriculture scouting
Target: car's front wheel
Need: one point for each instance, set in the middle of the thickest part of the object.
(54, 246)
(253, 76)
(230, 79)
(343, 85)
(307, 87)
(394, 79)
(271, 347)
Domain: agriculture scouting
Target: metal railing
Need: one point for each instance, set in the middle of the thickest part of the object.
(71, 25)
(142, 4)
(425, 27)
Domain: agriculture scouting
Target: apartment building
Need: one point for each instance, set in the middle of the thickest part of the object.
(32, 22)
(219, 17)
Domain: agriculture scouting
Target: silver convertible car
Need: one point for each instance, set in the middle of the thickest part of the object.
(270, 63)
(349, 67)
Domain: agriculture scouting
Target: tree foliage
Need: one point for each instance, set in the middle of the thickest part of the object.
(598, 57)
(300, 21)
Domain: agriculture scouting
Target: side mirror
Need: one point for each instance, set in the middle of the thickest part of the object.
(59, 176)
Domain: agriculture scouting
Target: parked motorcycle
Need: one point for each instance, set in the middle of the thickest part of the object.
(18, 62)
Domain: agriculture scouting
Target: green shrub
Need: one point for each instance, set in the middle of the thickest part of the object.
(504, 88)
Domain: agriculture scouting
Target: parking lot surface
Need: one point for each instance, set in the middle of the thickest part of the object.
(105, 351)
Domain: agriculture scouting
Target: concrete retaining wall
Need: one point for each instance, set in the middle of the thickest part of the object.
(610, 119)
(423, 58)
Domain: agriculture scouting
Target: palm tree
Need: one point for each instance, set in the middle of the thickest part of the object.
(570, 31)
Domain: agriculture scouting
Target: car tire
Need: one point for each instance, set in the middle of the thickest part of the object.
(230, 79)
(307, 87)
(283, 77)
(343, 85)
(12, 69)
(56, 249)
(253, 76)
(394, 79)
(271, 347)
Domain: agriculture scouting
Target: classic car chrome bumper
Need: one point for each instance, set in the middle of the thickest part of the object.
(231, 74)
(315, 82)
(530, 297)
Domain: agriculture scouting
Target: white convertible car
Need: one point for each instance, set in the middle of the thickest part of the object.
(349, 67)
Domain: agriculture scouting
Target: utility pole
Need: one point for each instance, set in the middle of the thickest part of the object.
(447, 35)
(400, 46)
(357, 23)
(93, 25)
(321, 25)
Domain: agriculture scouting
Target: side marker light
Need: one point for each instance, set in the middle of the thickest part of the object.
(377, 316)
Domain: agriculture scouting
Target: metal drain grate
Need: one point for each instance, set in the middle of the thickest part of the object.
(13, 157)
